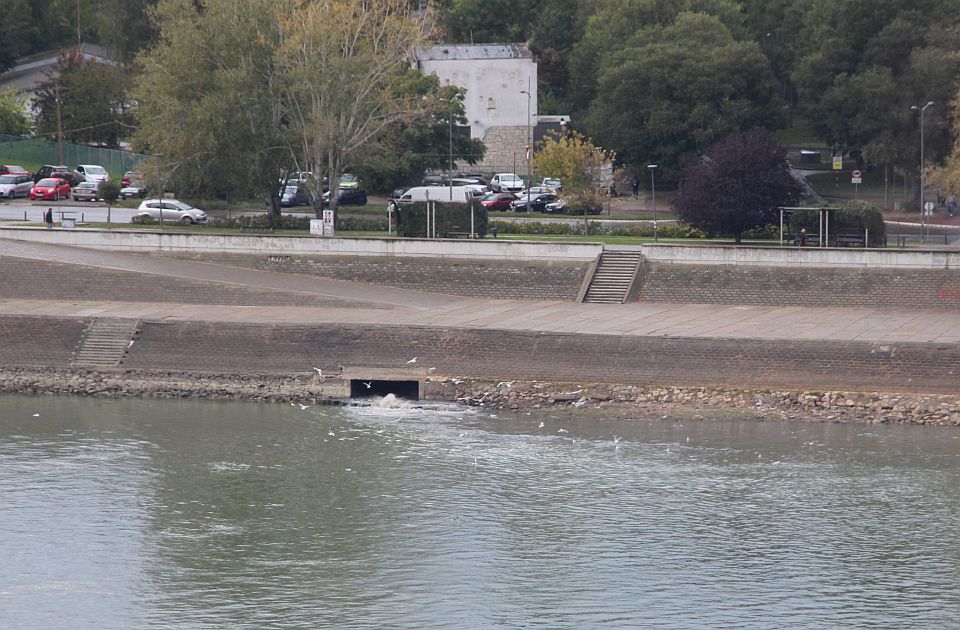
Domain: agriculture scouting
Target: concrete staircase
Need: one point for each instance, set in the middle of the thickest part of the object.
(104, 342)
(614, 277)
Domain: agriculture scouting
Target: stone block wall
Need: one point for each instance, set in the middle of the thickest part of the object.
(552, 281)
(500, 354)
(806, 286)
(502, 144)
(39, 341)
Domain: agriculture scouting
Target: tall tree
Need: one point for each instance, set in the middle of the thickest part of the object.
(864, 64)
(90, 99)
(207, 98)
(738, 185)
(658, 102)
(341, 62)
(408, 149)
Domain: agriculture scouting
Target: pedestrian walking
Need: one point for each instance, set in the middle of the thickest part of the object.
(635, 183)
(48, 218)
(802, 240)
(951, 205)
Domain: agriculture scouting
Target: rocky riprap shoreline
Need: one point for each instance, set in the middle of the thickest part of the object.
(702, 402)
(598, 398)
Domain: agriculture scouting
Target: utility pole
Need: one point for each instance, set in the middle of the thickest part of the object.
(56, 89)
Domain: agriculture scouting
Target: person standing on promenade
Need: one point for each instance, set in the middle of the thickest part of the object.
(635, 182)
(48, 218)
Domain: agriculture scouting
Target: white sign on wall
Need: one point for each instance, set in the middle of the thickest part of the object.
(328, 222)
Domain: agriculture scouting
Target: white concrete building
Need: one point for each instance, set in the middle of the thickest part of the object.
(501, 96)
(495, 77)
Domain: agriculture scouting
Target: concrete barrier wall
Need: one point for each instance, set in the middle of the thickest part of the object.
(144, 241)
(801, 257)
(226, 348)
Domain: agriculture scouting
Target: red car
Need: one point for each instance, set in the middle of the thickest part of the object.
(497, 201)
(12, 169)
(50, 189)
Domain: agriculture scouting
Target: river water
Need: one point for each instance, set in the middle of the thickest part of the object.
(158, 514)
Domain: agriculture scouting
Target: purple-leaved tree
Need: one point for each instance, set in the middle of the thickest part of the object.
(737, 185)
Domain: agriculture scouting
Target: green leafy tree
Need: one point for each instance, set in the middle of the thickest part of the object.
(657, 102)
(208, 99)
(13, 117)
(93, 104)
(410, 148)
(864, 64)
(487, 21)
(737, 186)
(109, 192)
(124, 26)
(341, 64)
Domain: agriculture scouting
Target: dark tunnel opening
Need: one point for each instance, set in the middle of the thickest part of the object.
(407, 390)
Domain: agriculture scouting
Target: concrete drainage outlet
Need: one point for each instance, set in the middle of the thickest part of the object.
(407, 390)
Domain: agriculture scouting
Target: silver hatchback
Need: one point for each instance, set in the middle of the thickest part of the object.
(172, 209)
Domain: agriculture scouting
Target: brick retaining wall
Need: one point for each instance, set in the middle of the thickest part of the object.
(556, 280)
(180, 347)
(807, 286)
(41, 280)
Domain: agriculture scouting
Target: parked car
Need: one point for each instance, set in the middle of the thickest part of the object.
(536, 190)
(556, 207)
(12, 169)
(130, 178)
(479, 177)
(51, 170)
(134, 189)
(348, 197)
(91, 173)
(349, 181)
(506, 182)
(13, 185)
(172, 209)
(497, 200)
(538, 203)
(50, 189)
(433, 180)
(294, 196)
(86, 191)
(296, 176)
(553, 182)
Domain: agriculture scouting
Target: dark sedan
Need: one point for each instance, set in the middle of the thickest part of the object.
(538, 203)
(498, 201)
(348, 197)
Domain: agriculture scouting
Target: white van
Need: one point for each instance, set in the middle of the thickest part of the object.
(445, 194)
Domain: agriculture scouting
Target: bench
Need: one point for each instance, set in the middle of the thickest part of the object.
(457, 235)
(252, 230)
(846, 240)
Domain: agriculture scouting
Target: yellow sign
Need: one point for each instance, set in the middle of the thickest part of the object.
(838, 162)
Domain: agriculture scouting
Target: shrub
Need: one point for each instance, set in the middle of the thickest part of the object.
(144, 219)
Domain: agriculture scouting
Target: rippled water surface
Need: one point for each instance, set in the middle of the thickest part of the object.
(139, 514)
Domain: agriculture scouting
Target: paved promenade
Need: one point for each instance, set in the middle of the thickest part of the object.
(357, 303)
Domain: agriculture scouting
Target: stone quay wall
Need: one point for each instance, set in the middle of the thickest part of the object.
(801, 286)
(381, 351)
(495, 279)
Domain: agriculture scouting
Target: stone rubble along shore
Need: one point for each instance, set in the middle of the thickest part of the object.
(599, 398)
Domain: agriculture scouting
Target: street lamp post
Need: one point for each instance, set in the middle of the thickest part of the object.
(450, 163)
(923, 168)
(529, 146)
(653, 194)
(159, 192)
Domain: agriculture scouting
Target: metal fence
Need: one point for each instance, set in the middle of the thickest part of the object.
(15, 149)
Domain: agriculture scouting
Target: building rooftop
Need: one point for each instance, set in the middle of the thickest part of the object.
(444, 52)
